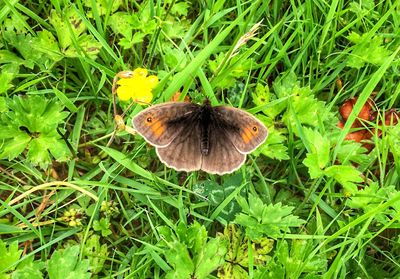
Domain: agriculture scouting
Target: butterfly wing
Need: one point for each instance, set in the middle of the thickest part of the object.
(160, 124)
(183, 153)
(244, 130)
(222, 157)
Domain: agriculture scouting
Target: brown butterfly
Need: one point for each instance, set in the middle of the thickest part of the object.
(191, 137)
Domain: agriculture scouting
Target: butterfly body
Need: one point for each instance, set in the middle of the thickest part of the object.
(191, 137)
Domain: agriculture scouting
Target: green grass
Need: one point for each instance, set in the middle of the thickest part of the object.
(307, 204)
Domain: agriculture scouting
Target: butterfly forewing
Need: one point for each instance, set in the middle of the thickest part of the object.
(245, 131)
(159, 124)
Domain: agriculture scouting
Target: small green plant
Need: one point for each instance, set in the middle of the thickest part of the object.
(190, 252)
(260, 219)
(29, 126)
(103, 226)
(238, 256)
(318, 158)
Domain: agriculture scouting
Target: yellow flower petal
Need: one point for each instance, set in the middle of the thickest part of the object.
(124, 93)
(125, 81)
(140, 72)
(153, 80)
(138, 87)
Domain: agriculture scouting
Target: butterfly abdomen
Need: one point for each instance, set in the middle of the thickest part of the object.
(205, 145)
(205, 121)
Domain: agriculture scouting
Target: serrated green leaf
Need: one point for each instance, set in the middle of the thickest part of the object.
(102, 225)
(46, 43)
(295, 260)
(8, 256)
(210, 257)
(180, 8)
(178, 257)
(7, 74)
(236, 70)
(318, 156)
(274, 147)
(194, 236)
(366, 50)
(69, 27)
(260, 219)
(15, 145)
(22, 43)
(31, 123)
(120, 23)
(60, 24)
(300, 104)
(28, 268)
(350, 152)
(345, 175)
(175, 58)
(238, 256)
(72, 266)
(191, 252)
(311, 161)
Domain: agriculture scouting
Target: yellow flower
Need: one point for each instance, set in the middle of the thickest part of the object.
(136, 85)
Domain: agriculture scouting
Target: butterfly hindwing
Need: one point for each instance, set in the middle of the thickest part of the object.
(244, 130)
(223, 157)
(183, 153)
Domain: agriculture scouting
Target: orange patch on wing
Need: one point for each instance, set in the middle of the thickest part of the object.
(157, 128)
(247, 136)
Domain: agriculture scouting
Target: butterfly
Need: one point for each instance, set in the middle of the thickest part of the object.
(190, 137)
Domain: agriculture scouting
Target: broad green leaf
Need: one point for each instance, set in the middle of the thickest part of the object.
(180, 8)
(190, 252)
(65, 264)
(96, 253)
(301, 106)
(238, 257)
(178, 257)
(275, 145)
(7, 74)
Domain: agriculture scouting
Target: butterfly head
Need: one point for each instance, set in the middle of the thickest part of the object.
(207, 102)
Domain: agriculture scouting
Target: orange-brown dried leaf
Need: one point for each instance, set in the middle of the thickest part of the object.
(177, 95)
